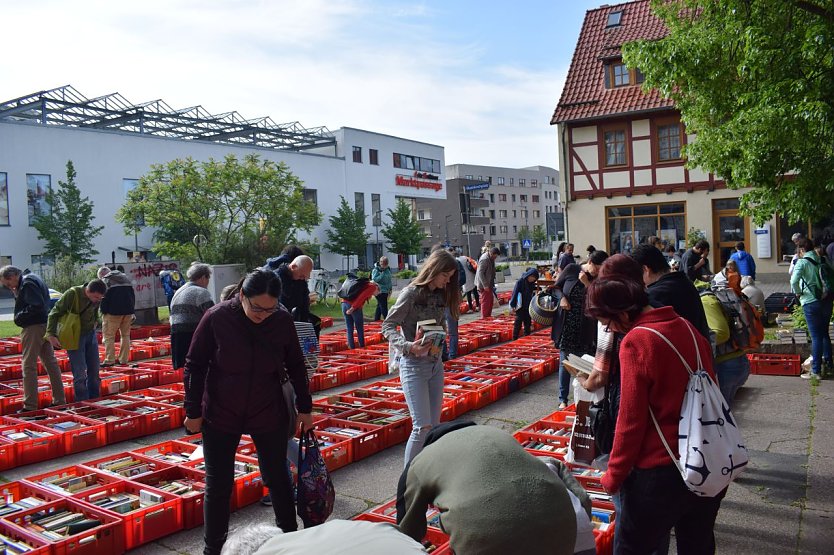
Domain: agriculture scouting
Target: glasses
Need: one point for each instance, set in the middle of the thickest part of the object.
(261, 310)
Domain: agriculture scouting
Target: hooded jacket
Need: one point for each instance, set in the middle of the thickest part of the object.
(525, 290)
(382, 277)
(31, 305)
(120, 298)
(746, 264)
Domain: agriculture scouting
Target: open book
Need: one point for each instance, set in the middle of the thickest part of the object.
(579, 365)
(429, 332)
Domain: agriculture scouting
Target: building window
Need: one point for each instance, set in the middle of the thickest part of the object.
(467, 176)
(503, 229)
(522, 182)
(512, 197)
(669, 139)
(515, 229)
(5, 260)
(492, 197)
(511, 182)
(537, 213)
(534, 183)
(37, 185)
(489, 179)
(407, 162)
(784, 231)
(524, 213)
(522, 198)
(376, 209)
(357, 154)
(502, 213)
(492, 230)
(4, 198)
(310, 195)
(500, 180)
(359, 202)
(536, 198)
(618, 75)
(629, 226)
(614, 19)
(515, 213)
(615, 146)
(423, 214)
(492, 214)
(502, 197)
(373, 156)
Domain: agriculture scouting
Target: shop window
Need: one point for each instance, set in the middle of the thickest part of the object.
(822, 230)
(629, 226)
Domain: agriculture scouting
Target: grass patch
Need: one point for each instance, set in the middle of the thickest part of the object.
(335, 312)
(8, 329)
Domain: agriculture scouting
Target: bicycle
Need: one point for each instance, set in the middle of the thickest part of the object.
(326, 287)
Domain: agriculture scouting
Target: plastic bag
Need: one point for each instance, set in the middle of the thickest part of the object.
(394, 358)
(581, 447)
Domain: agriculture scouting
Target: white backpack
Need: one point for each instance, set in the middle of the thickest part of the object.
(709, 440)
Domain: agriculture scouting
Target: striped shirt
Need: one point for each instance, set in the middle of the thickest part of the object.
(189, 304)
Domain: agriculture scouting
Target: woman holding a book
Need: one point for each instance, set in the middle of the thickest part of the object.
(424, 301)
(242, 352)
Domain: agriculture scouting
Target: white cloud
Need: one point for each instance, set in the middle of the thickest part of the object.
(319, 62)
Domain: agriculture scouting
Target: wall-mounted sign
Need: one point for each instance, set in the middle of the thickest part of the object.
(406, 181)
(476, 186)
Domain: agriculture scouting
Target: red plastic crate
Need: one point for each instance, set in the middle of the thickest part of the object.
(500, 383)
(775, 365)
(31, 450)
(90, 434)
(369, 441)
(9, 346)
(113, 383)
(95, 478)
(605, 540)
(347, 402)
(37, 546)
(590, 478)
(166, 374)
(393, 433)
(337, 452)
(160, 451)
(163, 418)
(15, 491)
(191, 504)
(138, 378)
(375, 394)
(145, 524)
(10, 370)
(108, 538)
(126, 425)
(542, 445)
(479, 394)
(153, 465)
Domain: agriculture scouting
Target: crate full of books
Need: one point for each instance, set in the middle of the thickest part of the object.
(187, 484)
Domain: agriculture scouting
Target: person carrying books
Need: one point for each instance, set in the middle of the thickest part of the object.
(523, 293)
(433, 290)
(352, 310)
(242, 353)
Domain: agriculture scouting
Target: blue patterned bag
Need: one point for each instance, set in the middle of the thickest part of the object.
(316, 493)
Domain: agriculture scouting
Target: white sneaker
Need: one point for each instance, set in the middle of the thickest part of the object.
(805, 375)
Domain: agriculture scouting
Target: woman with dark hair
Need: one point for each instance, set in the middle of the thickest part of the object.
(430, 294)
(572, 332)
(242, 352)
(653, 496)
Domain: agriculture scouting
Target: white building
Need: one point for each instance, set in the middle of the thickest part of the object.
(113, 142)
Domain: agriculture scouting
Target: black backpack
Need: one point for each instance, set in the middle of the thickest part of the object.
(352, 286)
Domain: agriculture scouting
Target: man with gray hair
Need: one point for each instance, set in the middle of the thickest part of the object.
(485, 280)
(31, 309)
(117, 309)
(295, 295)
(796, 238)
(188, 305)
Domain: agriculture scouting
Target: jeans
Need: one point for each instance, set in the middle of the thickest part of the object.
(564, 380)
(180, 343)
(469, 296)
(731, 375)
(35, 346)
(422, 381)
(818, 315)
(355, 318)
(487, 300)
(381, 312)
(110, 324)
(662, 547)
(452, 329)
(655, 500)
(85, 365)
(219, 449)
(522, 316)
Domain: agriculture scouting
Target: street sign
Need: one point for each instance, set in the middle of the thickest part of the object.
(527, 244)
(476, 186)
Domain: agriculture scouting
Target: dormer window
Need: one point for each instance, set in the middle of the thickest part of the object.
(618, 75)
(614, 19)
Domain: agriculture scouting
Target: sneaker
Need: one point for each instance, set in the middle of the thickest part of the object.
(266, 500)
(805, 375)
(107, 364)
(563, 406)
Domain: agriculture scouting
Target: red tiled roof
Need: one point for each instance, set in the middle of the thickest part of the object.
(584, 96)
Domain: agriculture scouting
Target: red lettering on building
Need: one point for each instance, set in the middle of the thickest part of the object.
(148, 270)
(405, 181)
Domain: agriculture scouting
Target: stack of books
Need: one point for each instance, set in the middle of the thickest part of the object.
(429, 332)
(579, 365)
(11, 546)
(126, 466)
(56, 526)
(126, 502)
(8, 507)
(65, 426)
(113, 403)
(346, 432)
(169, 457)
(183, 486)
(69, 484)
(25, 435)
(547, 447)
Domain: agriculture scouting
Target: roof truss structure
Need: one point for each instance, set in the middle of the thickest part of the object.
(65, 106)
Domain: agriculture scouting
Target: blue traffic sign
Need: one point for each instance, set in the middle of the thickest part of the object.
(527, 244)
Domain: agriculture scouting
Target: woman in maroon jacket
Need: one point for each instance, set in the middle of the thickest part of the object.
(652, 493)
(241, 353)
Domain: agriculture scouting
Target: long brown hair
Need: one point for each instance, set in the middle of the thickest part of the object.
(438, 262)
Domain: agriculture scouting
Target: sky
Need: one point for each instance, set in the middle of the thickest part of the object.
(479, 78)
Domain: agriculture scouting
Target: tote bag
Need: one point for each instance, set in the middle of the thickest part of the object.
(316, 494)
(69, 327)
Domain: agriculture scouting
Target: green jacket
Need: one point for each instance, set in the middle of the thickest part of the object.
(805, 278)
(382, 277)
(67, 303)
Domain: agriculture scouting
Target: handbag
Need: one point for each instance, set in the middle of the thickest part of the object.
(69, 327)
(604, 412)
(316, 494)
(291, 413)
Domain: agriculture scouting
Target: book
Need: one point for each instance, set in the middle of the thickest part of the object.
(429, 332)
(579, 365)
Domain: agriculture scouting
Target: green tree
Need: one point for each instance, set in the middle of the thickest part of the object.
(403, 232)
(524, 234)
(68, 229)
(239, 211)
(538, 236)
(346, 235)
(754, 80)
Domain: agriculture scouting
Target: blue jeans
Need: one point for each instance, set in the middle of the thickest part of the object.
(452, 330)
(731, 375)
(85, 366)
(564, 380)
(422, 381)
(355, 319)
(818, 315)
(381, 312)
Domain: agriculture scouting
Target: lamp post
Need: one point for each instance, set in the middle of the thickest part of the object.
(377, 223)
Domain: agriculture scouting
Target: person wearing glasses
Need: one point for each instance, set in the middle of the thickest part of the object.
(242, 351)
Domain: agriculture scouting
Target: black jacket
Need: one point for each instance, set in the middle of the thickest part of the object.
(526, 289)
(674, 289)
(31, 306)
(120, 298)
(294, 294)
(567, 280)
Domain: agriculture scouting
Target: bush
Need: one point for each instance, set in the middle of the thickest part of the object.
(406, 274)
(501, 267)
(798, 318)
(66, 274)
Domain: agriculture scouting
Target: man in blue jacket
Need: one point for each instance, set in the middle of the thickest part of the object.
(523, 292)
(31, 308)
(746, 264)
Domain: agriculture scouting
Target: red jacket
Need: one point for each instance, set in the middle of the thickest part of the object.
(652, 375)
(367, 292)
